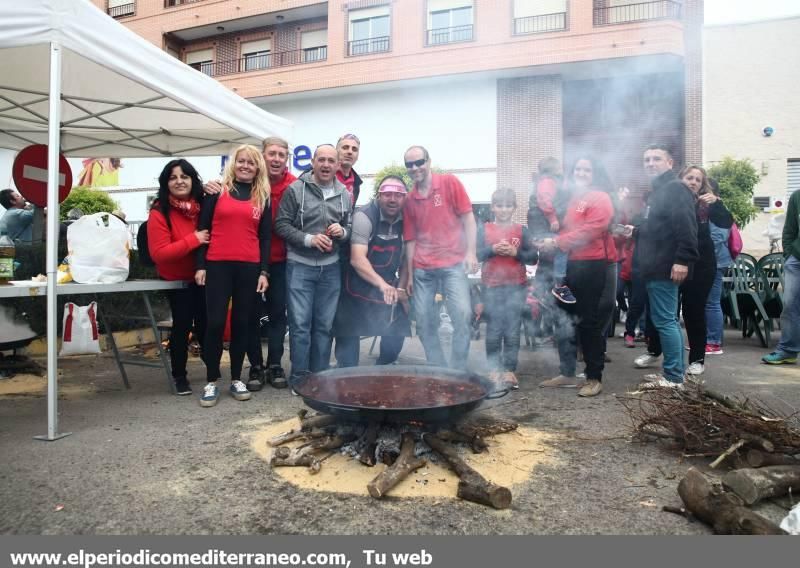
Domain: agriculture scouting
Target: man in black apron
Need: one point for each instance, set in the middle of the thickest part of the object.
(373, 300)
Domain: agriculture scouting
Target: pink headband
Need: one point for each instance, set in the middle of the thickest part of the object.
(392, 187)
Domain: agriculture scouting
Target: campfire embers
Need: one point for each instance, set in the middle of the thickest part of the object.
(404, 448)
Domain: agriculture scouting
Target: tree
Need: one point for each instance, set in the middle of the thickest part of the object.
(391, 170)
(737, 180)
(88, 201)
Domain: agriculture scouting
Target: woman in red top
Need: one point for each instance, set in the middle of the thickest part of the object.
(591, 270)
(235, 263)
(172, 237)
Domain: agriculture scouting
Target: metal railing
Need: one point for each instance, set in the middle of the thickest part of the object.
(455, 34)
(173, 3)
(266, 61)
(122, 11)
(369, 45)
(540, 23)
(659, 10)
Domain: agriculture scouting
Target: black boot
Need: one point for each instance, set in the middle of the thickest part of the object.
(256, 379)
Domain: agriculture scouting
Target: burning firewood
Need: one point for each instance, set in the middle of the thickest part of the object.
(484, 426)
(476, 443)
(305, 454)
(307, 425)
(370, 444)
(405, 463)
(753, 485)
(707, 500)
(472, 486)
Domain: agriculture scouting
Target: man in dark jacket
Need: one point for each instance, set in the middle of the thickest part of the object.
(667, 243)
(348, 148)
(789, 346)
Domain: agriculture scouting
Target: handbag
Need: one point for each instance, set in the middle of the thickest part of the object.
(735, 244)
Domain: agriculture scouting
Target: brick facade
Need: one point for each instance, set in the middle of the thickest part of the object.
(529, 128)
(693, 62)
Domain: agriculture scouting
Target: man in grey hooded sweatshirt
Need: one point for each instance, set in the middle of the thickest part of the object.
(314, 219)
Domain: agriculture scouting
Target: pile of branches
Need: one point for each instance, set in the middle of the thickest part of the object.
(703, 422)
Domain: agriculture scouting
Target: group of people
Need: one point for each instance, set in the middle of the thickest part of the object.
(270, 251)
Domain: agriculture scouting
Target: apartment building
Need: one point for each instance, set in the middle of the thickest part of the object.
(488, 86)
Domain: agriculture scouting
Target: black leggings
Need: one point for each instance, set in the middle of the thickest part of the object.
(236, 281)
(275, 309)
(188, 307)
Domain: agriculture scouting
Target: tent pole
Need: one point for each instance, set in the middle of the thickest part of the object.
(53, 148)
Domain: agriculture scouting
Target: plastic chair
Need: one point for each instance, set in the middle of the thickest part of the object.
(750, 288)
(772, 267)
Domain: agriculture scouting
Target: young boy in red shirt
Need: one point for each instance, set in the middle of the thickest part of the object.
(504, 248)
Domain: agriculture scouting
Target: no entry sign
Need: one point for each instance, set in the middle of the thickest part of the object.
(30, 175)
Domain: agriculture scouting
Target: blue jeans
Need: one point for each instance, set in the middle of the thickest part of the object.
(790, 316)
(662, 296)
(312, 297)
(559, 261)
(504, 307)
(714, 317)
(454, 285)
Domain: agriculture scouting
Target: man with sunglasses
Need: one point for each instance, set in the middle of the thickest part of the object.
(440, 233)
(348, 147)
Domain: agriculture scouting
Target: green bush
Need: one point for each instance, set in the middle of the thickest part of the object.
(396, 170)
(737, 181)
(87, 200)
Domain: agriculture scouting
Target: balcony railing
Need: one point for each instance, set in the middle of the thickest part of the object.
(540, 23)
(659, 10)
(122, 11)
(260, 62)
(367, 46)
(440, 36)
(172, 3)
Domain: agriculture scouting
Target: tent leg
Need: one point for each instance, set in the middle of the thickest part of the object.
(53, 148)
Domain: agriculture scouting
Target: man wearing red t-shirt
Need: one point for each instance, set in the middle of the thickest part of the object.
(440, 233)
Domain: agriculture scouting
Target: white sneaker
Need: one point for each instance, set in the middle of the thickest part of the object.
(646, 360)
(239, 391)
(696, 368)
(655, 377)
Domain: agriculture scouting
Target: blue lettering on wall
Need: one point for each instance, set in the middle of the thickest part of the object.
(302, 158)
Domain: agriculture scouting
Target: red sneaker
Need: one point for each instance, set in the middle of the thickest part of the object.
(713, 349)
(629, 341)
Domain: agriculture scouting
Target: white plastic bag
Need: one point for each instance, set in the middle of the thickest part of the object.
(791, 523)
(79, 330)
(98, 249)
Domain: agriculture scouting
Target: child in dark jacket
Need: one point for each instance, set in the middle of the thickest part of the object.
(504, 248)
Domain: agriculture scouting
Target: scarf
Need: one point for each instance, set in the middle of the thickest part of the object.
(188, 208)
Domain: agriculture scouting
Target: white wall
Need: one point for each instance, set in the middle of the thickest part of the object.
(751, 77)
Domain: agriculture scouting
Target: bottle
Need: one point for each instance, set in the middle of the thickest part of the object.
(446, 334)
(7, 253)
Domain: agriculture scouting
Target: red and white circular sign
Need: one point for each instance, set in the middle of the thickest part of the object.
(30, 175)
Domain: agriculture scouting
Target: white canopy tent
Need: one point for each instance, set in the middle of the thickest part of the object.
(73, 78)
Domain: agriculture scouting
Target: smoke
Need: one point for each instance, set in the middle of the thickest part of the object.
(11, 329)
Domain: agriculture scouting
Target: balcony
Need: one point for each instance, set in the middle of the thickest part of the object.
(540, 23)
(450, 35)
(261, 62)
(122, 11)
(643, 11)
(369, 45)
(173, 3)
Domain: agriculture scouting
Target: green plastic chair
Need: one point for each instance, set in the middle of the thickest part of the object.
(750, 289)
(772, 267)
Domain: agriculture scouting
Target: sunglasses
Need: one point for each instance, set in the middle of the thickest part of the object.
(419, 163)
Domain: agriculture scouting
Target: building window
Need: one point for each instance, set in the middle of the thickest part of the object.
(609, 12)
(314, 46)
(202, 60)
(121, 8)
(370, 31)
(537, 16)
(449, 21)
(256, 54)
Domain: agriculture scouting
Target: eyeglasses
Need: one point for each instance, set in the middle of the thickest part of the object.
(419, 163)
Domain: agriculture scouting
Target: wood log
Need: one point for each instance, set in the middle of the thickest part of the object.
(405, 463)
(757, 458)
(292, 435)
(727, 453)
(312, 423)
(305, 454)
(476, 443)
(707, 501)
(370, 444)
(484, 426)
(472, 486)
(753, 485)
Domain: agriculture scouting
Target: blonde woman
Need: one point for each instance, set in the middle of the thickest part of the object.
(234, 263)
